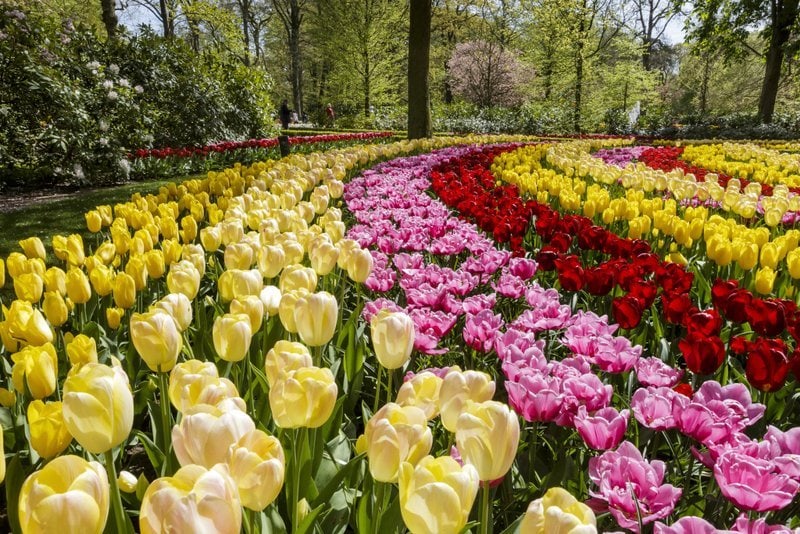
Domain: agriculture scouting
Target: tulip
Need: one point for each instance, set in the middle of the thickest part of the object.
(68, 495)
(271, 260)
(27, 325)
(172, 251)
(179, 307)
(127, 481)
(286, 309)
(304, 397)
(124, 291)
(155, 264)
(271, 298)
(359, 265)
(54, 308)
(437, 495)
(765, 279)
(487, 435)
(232, 334)
(102, 279)
(234, 283)
(457, 388)
(94, 222)
(49, 434)
(258, 466)
(422, 390)
(156, 338)
(392, 337)
(395, 434)
(77, 285)
(29, 286)
(187, 373)
(206, 432)
(284, 357)
(196, 499)
(183, 277)
(7, 400)
(323, 258)
(251, 306)
(604, 430)
(211, 238)
(114, 317)
(315, 317)
(98, 406)
(296, 277)
(82, 349)
(238, 256)
(35, 369)
(558, 512)
(33, 248)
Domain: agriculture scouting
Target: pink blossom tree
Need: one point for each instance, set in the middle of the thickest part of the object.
(487, 74)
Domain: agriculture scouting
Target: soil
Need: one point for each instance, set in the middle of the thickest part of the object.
(11, 200)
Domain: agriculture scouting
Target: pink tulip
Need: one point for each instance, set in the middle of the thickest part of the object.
(509, 286)
(616, 354)
(522, 267)
(653, 372)
(478, 303)
(604, 429)
(534, 396)
(753, 483)
(759, 526)
(654, 407)
(687, 525)
(584, 390)
(481, 330)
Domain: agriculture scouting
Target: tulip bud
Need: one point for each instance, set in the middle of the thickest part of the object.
(251, 306)
(154, 263)
(77, 284)
(29, 286)
(303, 398)
(114, 317)
(487, 435)
(93, 221)
(7, 400)
(558, 511)
(232, 335)
(296, 277)
(257, 464)
(395, 434)
(271, 298)
(35, 368)
(49, 434)
(315, 317)
(74, 248)
(82, 349)
(359, 265)
(54, 308)
(457, 388)
(179, 307)
(27, 325)
(422, 391)
(195, 499)
(68, 495)
(33, 248)
(437, 495)
(206, 432)
(127, 481)
(124, 291)
(156, 338)
(765, 280)
(392, 337)
(183, 277)
(284, 357)
(98, 406)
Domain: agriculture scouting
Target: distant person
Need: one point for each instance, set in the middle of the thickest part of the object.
(294, 117)
(285, 114)
(331, 115)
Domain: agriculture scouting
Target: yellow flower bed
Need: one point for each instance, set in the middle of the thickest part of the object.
(750, 161)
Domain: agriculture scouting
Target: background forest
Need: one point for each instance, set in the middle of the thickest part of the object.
(83, 83)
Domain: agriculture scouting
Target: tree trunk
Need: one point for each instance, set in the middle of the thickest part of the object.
(784, 15)
(166, 19)
(647, 54)
(704, 86)
(109, 17)
(245, 8)
(295, 56)
(367, 85)
(419, 51)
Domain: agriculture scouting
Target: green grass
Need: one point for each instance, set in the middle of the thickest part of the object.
(63, 216)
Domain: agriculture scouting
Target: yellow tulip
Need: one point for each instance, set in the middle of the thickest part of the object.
(114, 317)
(748, 256)
(457, 388)
(2, 460)
(55, 279)
(437, 495)
(238, 256)
(172, 250)
(315, 317)
(359, 265)
(235, 283)
(102, 279)
(558, 512)
(17, 264)
(271, 260)
(487, 435)
(283, 357)
(154, 263)
(271, 298)
(195, 499)
(188, 229)
(156, 338)
(2, 273)
(94, 222)
(7, 400)
(124, 291)
(769, 256)
(793, 262)
(29, 286)
(296, 277)
(251, 306)
(392, 337)
(231, 231)
(346, 248)
(286, 309)
(68, 495)
(323, 257)
(257, 464)
(77, 284)
(206, 432)
(54, 308)
(179, 307)
(33, 248)
(82, 349)
(74, 248)
(98, 406)
(395, 434)
(303, 398)
(183, 277)
(49, 434)
(765, 280)
(127, 481)
(232, 335)
(35, 368)
(421, 391)
(211, 238)
(195, 382)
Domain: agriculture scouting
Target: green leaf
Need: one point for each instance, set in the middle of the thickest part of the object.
(308, 521)
(15, 476)
(513, 528)
(152, 450)
(333, 484)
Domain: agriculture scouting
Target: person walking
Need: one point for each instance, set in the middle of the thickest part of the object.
(285, 114)
(331, 115)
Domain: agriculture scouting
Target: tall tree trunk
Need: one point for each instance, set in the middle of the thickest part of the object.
(166, 19)
(245, 8)
(295, 56)
(647, 54)
(419, 52)
(704, 86)
(109, 17)
(367, 84)
(784, 15)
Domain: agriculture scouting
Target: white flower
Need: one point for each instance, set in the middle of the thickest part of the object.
(103, 141)
(108, 84)
(123, 82)
(112, 95)
(113, 69)
(103, 125)
(139, 89)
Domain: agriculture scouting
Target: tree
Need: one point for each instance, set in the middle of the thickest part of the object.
(650, 21)
(487, 75)
(109, 17)
(725, 24)
(419, 51)
(292, 13)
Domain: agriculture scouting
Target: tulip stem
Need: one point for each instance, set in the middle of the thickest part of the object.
(389, 393)
(297, 435)
(378, 389)
(166, 423)
(486, 510)
(116, 499)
